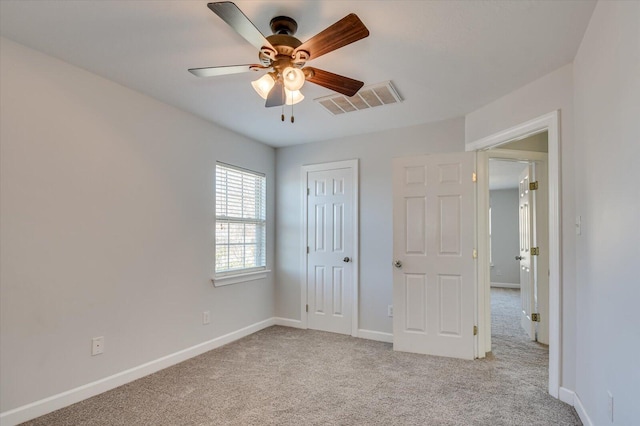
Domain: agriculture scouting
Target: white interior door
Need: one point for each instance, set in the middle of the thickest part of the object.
(330, 242)
(434, 274)
(526, 238)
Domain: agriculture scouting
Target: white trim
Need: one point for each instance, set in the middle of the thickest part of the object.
(240, 278)
(345, 164)
(288, 322)
(483, 342)
(548, 122)
(505, 285)
(63, 399)
(567, 395)
(378, 336)
(582, 413)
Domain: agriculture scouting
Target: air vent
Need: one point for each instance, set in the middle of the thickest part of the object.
(367, 97)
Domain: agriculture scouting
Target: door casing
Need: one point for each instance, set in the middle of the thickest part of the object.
(550, 123)
(306, 169)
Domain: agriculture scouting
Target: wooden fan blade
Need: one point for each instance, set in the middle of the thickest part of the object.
(345, 85)
(276, 96)
(345, 31)
(224, 70)
(232, 15)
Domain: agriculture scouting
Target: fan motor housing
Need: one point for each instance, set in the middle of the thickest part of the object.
(283, 25)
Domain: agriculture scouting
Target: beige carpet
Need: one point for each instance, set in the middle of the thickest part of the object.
(285, 376)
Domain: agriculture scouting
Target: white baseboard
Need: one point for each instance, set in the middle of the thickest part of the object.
(363, 334)
(375, 335)
(566, 395)
(582, 413)
(55, 402)
(287, 322)
(506, 285)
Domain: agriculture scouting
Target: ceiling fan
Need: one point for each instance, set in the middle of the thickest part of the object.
(285, 57)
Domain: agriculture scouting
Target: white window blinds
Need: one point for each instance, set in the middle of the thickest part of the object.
(240, 220)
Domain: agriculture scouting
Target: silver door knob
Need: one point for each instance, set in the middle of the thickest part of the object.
(519, 257)
(346, 260)
(397, 264)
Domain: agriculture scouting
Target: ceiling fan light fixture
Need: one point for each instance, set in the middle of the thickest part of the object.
(293, 96)
(293, 78)
(263, 85)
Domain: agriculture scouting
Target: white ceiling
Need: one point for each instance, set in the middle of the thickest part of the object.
(504, 174)
(446, 58)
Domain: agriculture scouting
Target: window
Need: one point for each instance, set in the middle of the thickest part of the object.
(240, 220)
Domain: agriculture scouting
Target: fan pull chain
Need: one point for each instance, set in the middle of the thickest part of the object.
(282, 116)
(292, 119)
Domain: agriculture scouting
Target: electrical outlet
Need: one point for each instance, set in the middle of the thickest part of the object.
(390, 311)
(206, 318)
(97, 345)
(610, 406)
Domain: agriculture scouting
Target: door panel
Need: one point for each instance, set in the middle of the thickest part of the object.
(449, 287)
(330, 241)
(525, 224)
(433, 234)
(415, 317)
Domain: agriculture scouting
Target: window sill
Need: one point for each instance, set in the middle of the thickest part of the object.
(240, 278)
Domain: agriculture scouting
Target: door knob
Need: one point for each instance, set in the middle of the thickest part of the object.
(519, 257)
(346, 260)
(397, 264)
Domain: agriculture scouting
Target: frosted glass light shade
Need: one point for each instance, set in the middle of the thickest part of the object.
(293, 97)
(263, 85)
(293, 78)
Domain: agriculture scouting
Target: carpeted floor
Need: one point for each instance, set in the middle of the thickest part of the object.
(285, 376)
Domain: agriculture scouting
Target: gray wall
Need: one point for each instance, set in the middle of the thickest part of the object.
(375, 152)
(504, 236)
(106, 220)
(607, 111)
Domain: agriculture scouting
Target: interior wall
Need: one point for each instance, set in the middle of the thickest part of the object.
(106, 219)
(375, 152)
(549, 93)
(537, 143)
(607, 111)
(504, 236)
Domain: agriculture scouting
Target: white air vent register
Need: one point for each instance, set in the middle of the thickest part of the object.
(367, 97)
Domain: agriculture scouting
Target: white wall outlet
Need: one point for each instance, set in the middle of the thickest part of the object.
(390, 311)
(97, 345)
(610, 406)
(206, 318)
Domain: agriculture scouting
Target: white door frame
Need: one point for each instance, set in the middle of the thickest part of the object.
(306, 169)
(550, 123)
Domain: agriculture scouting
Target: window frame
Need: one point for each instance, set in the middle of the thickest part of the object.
(232, 276)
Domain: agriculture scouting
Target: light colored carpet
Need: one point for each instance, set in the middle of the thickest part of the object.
(285, 376)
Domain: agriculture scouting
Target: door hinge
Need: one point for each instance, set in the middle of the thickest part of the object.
(535, 317)
(307, 249)
(475, 330)
(307, 308)
(535, 251)
(308, 191)
(474, 177)
(474, 253)
(533, 186)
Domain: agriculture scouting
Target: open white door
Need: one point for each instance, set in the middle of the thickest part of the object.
(434, 274)
(526, 237)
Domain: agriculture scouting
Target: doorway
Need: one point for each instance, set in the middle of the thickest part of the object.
(330, 266)
(518, 229)
(550, 124)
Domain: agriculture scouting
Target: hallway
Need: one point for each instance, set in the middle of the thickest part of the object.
(511, 344)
